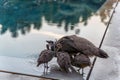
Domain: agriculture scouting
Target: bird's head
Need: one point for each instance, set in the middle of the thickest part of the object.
(50, 45)
(50, 42)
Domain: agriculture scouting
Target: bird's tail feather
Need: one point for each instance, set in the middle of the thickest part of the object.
(38, 64)
(102, 54)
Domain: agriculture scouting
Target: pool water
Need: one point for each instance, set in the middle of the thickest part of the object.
(26, 25)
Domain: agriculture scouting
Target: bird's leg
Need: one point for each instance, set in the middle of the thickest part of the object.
(47, 68)
(44, 69)
(79, 70)
(82, 71)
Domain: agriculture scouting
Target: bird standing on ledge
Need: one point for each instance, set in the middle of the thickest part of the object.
(44, 57)
(64, 62)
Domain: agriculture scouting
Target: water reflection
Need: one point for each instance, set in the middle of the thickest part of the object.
(105, 11)
(18, 15)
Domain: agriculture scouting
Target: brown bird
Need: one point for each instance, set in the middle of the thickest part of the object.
(44, 57)
(74, 44)
(64, 61)
(81, 61)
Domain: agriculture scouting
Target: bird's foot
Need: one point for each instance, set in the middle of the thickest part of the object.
(83, 74)
(45, 73)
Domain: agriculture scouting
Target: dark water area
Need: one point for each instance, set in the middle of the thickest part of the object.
(18, 15)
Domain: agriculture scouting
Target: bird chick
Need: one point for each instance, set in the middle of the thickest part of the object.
(64, 61)
(44, 57)
(81, 61)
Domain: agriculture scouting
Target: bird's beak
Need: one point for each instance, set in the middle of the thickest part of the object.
(49, 42)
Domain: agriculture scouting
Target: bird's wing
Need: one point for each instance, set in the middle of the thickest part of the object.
(70, 42)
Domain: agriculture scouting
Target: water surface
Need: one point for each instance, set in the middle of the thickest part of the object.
(26, 25)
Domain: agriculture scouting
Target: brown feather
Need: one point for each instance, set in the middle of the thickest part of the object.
(45, 56)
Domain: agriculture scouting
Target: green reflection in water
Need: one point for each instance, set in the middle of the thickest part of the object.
(18, 15)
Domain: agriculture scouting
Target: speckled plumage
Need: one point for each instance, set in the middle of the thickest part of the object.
(64, 61)
(45, 56)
